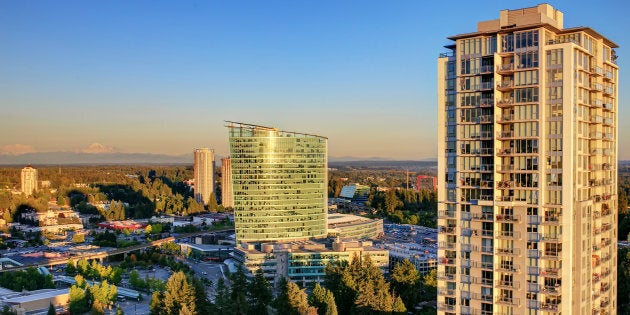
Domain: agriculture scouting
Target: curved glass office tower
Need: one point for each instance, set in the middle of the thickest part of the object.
(279, 183)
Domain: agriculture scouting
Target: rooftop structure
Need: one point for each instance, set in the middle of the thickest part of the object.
(348, 226)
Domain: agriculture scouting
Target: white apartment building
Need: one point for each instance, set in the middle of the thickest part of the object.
(527, 155)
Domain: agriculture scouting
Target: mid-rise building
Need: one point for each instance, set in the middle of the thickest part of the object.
(305, 262)
(29, 180)
(203, 169)
(279, 181)
(227, 196)
(527, 164)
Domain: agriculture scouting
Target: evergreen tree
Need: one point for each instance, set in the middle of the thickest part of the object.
(223, 300)
(317, 299)
(239, 291)
(156, 307)
(331, 306)
(213, 205)
(399, 307)
(406, 282)
(259, 294)
(51, 310)
(179, 292)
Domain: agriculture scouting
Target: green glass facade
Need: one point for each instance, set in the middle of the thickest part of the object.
(279, 183)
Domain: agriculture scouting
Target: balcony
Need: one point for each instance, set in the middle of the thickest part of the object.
(552, 237)
(445, 291)
(608, 90)
(533, 271)
(507, 284)
(446, 307)
(508, 102)
(505, 134)
(550, 307)
(533, 287)
(596, 102)
(597, 71)
(533, 219)
(507, 266)
(486, 102)
(551, 272)
(446, 230)
(508, 218)
(550, 290)
(447, 261)
(509, 235)
(506, 300)
(446, 214)
(533, 253)
(608, 105)
(508, 251)
(552, 254)
(505, 68)
(482, 216)
(608, 121)
(551, 220)
(486, 69)
(597, 87)
(446, 245)
(505, 86)
(533, 237)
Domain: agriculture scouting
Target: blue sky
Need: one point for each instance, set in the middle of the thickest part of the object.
(162, 76)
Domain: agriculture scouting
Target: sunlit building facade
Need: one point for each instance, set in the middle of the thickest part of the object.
(227, 196)
(527, 168)
(279, 181)
(204, 174)
(29, 180)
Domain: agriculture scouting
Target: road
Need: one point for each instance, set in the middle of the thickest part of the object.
(117, 251)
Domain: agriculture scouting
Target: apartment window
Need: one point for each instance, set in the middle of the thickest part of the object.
(526, 39)
(526, 95)
(507, 43)
(490, 45)
(470, 65)
(527, 59)
(526, 78)
(470, 46)
(554, 57)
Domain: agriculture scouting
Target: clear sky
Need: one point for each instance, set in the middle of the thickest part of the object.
(162, 76)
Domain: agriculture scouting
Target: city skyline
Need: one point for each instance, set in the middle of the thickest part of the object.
(153, 77)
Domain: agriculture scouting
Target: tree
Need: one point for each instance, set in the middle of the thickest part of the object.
(223, 301)
(51, 310)
(179, 292)
(239, 291)
(323, 300)
(430, 285)
(399, 306)
(259, 294)
(292, 300)
(79, 300)
(156, 307)
(212, 203)
(406, 282)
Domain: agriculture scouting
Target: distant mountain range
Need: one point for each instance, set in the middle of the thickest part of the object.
(55, 158)
(65, 158)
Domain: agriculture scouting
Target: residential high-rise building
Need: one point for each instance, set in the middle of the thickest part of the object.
(279, 183)
(203, 169)
(227, 197)
(29, 180)
(527, 164)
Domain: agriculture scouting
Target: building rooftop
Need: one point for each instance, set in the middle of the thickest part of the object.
(35, 295)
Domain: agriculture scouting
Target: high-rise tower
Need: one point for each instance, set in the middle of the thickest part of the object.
(527, 174)
(227, 196)
(279, 181)
(29, 180)
(204, 174)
